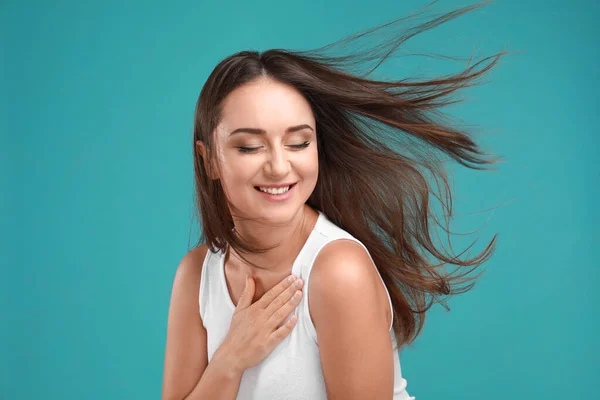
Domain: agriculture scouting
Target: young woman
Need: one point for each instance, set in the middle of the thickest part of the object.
(312, 183)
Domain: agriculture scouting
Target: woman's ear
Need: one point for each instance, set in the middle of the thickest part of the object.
(202, 152)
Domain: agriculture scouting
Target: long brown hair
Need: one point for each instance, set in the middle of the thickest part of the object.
(381, 146)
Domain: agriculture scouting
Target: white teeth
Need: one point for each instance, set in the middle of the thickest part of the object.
(274, 191)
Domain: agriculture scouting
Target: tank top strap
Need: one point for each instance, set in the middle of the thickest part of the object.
(207, 287)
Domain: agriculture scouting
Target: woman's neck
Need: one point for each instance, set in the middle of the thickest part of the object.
(288, 239)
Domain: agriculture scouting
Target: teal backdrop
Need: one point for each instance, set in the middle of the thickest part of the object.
(96, 166)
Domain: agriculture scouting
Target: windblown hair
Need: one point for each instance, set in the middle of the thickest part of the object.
(380, 143)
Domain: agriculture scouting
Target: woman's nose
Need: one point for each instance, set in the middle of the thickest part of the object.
(278, 164)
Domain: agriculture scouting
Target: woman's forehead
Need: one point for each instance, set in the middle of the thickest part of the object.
(266, 105)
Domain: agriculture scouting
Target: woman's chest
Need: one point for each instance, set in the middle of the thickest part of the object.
(292, 371)
(236, 281)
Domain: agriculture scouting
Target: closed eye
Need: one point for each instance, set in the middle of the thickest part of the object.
(247, 149)
(300, 146)
(243, 149)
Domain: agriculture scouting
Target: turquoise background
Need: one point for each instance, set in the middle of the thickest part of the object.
(97, 106)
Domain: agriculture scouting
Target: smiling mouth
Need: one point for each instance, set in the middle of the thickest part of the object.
(275, 190)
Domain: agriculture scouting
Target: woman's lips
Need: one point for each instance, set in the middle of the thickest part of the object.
(277, 197)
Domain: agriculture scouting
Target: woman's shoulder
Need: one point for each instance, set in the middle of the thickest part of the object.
(190, 267)
(346, 265)
(336, 256)
(195, 257)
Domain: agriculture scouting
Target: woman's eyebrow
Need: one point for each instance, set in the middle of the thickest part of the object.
(257, 131)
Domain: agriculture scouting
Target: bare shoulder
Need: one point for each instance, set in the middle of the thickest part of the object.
(350, 312)
(185, 353)
(190, 267)
(342, 271)
(345, 257)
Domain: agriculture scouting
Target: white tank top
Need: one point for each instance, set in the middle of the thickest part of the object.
(292, 371)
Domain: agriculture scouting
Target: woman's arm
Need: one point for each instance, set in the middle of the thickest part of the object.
(220, 381)
(187, 373)
(346, 307)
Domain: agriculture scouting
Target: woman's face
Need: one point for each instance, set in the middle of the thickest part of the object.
(267, 138)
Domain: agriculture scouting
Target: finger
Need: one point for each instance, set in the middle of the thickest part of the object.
(284, 297)
(247, 295)
(272, 294)
(280, 314)
(283, 331)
